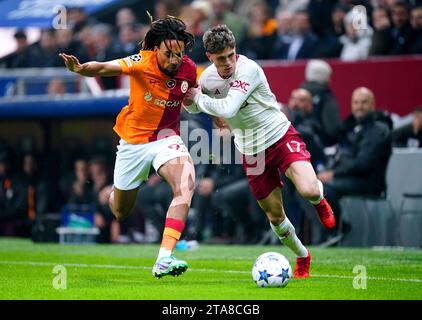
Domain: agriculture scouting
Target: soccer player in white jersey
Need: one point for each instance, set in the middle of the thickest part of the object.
(235, 88)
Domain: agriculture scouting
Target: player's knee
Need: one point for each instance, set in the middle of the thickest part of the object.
(276, 219)
(310, 190)
(119, 210)
(182, 195)
(275, 213)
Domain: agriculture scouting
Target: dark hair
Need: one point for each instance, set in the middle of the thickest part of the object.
(403, 4)
(170, 28)
(20, 34)
(218, 38)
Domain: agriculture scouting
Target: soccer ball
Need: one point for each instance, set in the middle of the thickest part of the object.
(271, 269)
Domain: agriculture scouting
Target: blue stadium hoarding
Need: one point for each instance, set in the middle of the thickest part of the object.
(42, 13)
(69, 106)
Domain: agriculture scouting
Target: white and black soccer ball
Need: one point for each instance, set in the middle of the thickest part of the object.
(271, 269)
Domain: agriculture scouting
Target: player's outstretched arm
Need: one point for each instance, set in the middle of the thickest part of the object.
(92, 68)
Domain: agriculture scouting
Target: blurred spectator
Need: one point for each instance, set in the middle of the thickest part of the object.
(221, 13)
(160, 10)
(88, 50)
(381, 23)
(225, 210)
(105, 51)
(66, 42)
(128, 40)
(293, 5)
(23, 55)
(11, 198)
(260, 34)
(337, 19)
(124, 17)
(410, 136)
(78, 19)
(98, 173)
(103, 36)
(36, 193)
(364, 150)
(56, 87)
(326, 109)
(284, 26)
(195, 17)
(101, 188)
(394, 39)
(415, 42)
(47, 51)
(309, 126)
(77, 189)
(320, 16)
(330, 39)
(304, 43)
(141, 30)
(401, 30)
(356, 42)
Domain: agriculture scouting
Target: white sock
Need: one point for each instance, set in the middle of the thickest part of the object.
(163, 253)
(321, 193)
(287, 235)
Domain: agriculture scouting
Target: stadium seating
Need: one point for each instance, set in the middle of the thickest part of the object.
(410, 221)
(393, 219)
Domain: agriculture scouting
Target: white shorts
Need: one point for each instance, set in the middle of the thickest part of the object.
(134, 161)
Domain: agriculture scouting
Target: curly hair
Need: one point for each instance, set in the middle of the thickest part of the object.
(170, 28)
(218, 38)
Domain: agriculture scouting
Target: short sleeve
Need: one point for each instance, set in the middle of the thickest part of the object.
(131, 64)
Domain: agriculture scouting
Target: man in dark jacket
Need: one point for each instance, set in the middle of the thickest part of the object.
(325, 106)
(364, 151)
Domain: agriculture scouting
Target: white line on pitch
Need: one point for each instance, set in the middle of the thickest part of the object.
(111, 266)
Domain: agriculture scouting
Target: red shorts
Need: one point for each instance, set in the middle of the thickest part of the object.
(278, 157)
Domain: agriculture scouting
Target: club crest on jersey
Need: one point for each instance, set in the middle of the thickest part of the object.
(184, 86)
(135, 57)
(171, 83)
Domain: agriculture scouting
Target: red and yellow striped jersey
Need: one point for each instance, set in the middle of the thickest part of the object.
(155, 98)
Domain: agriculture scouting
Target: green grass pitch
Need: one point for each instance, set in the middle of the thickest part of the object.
(215, 272)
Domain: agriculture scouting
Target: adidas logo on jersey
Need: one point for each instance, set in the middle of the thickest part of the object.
(217, 91)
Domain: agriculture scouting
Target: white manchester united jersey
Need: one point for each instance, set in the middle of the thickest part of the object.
(246, 102)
